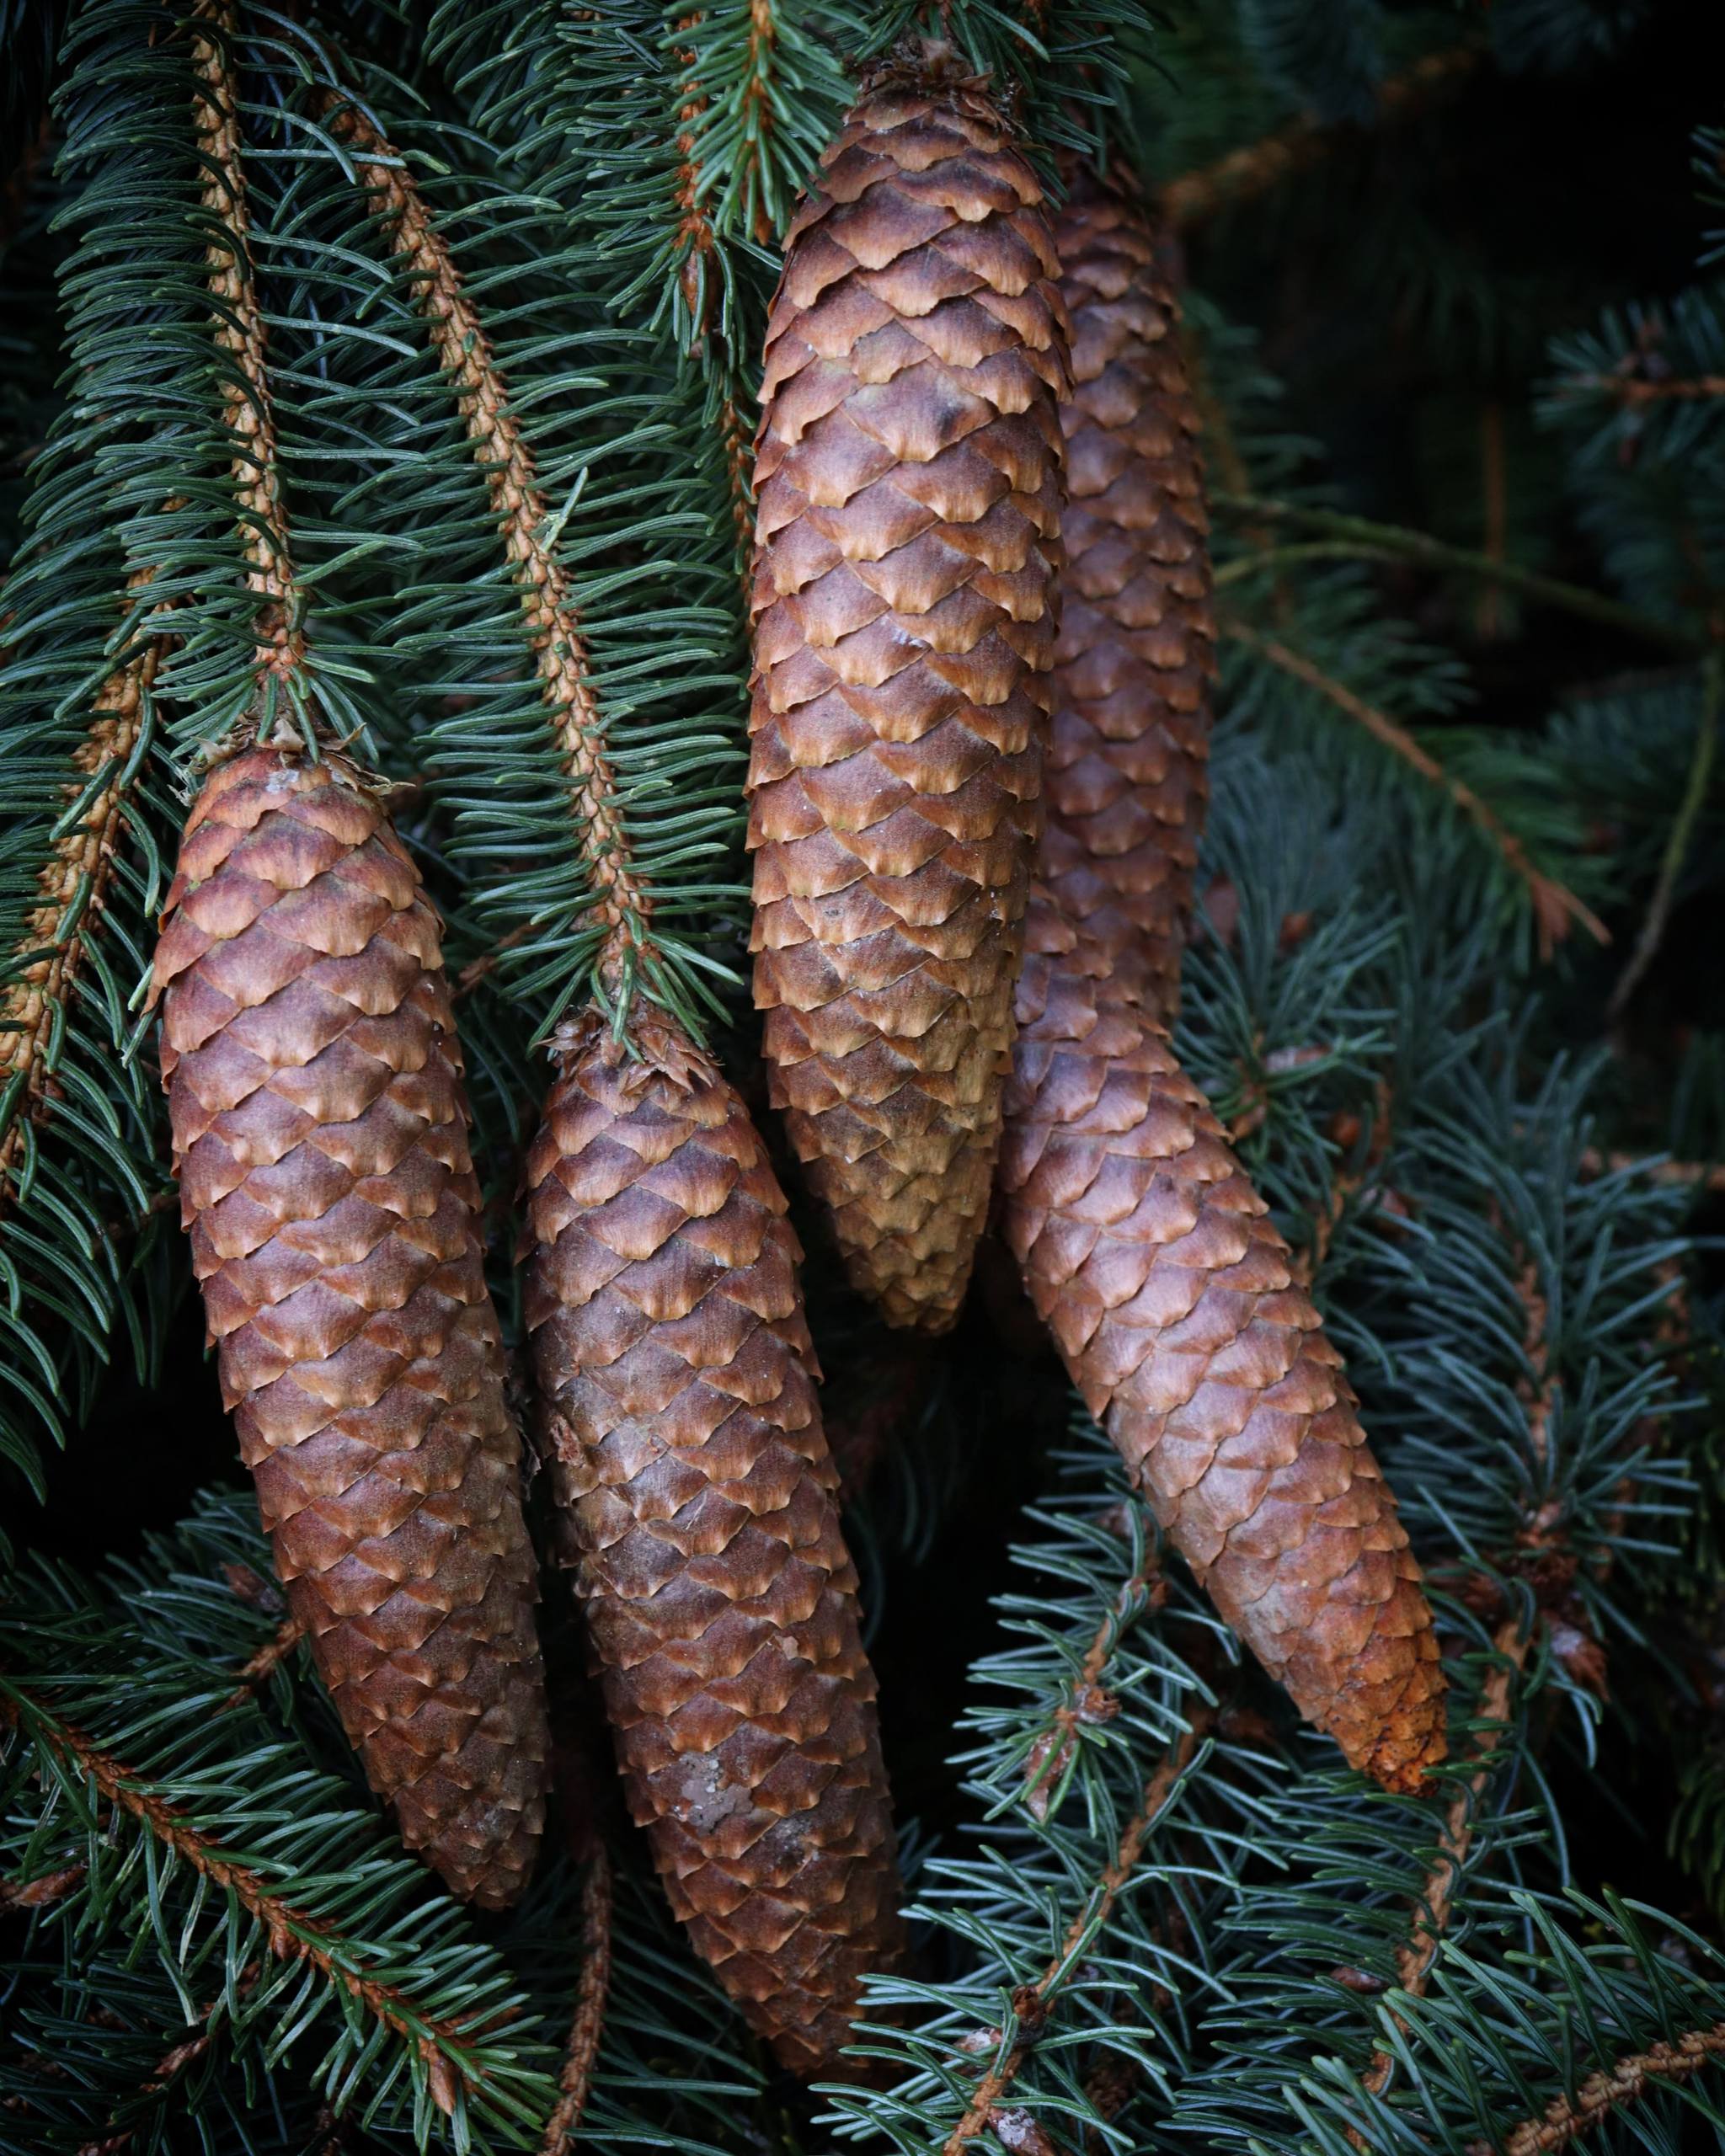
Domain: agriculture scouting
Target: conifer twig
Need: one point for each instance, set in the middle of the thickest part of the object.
(290, 1936)
(1089, 1701)
(1554, 904)
(1708, 1175)
(463, 350)
(73, 883)
(1677, 845)
(1643, 389)
(239, 338)
(268, 1658)
(1194, 196)
(581, 2055)
(1373, 539)
(1033, 2002)
(1625, 2081)
(1416, 1955)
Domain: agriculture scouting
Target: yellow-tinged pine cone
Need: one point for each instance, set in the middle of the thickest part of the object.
(698, 1503)
(1125, 783)
(1171, 1298)
(908, 477)
(320, 1135)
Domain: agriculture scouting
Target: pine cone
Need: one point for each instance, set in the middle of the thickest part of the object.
(1126, 779)
(688, 1457)
(320, 1136)
(908, 476)
(1171, 1298)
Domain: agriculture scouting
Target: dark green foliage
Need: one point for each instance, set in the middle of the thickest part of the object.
(1153, 1916)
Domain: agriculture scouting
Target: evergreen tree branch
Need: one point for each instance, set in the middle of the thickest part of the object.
(1032, 2005)
(1193, 197)
(72, 882)
(581, 2054)
(240, 342)
(1555, 906)
(1374, 539)
(1677, 846)
(443, 2046)
(1566, 2118)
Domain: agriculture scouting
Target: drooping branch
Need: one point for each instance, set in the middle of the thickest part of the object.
(288, 1933)
(463, 350)
(239, 337)
(1555, 906)
(1089, 1702)
(1255, 170)
(1033, 2003)
(581, 2054)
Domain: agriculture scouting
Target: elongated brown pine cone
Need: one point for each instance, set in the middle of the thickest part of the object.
(1172, 1297)
(320, 1133)
(908, 476)
(687, 1458)
(1125, 781)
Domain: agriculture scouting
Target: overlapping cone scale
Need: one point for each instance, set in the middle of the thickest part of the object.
(1125, 783)
(320, 1133)
(908, 481)
(1172, 1297)
(689, 1467)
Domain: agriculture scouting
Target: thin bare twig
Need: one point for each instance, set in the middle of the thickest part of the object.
(581, 2054)
(268, 1658)
(1555, 906)
(1677, 845)
(1242, 174)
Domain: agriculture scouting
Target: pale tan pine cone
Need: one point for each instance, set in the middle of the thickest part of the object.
(908, 478)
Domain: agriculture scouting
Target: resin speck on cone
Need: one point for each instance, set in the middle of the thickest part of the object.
(908, 479)
(697, 1503)
(320, 1135)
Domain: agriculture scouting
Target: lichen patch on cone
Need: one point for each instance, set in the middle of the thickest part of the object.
(908, 479)
(697, 1502)
(1125, 782)
(1171, 1298)
(320, 1135)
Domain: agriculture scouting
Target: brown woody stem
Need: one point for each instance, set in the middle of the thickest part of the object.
(290, 1936)
(581, 2055)
(464, 352)
(1554, 904)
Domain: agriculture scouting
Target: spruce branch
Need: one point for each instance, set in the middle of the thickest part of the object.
(1034, 2003)
(239, 340)
(446, 2048)
(1193, 197)
(1626, 2081)
(259, 1669)
(1370, 539)
(524, 517)
(1555, 906)
(72, 883)
(581, 2053)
